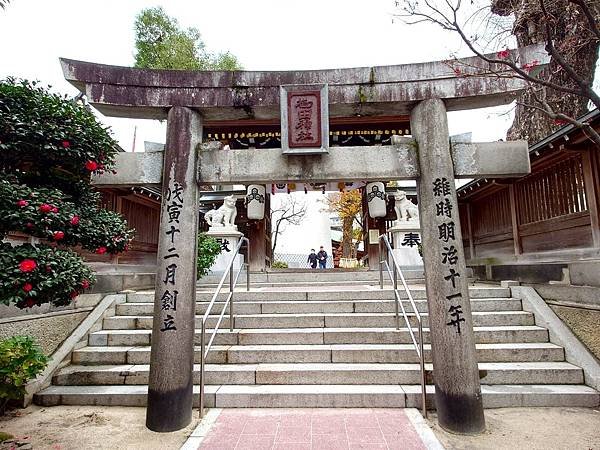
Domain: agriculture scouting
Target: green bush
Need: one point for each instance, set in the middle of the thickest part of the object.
(20, 361)
(208, 250)
(49, 148)
(279, 265)
(42, 132)
(32, 276)
(48, 213)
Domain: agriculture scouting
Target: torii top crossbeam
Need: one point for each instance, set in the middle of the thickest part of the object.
(222, 95)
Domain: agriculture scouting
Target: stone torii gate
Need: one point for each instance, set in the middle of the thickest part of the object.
(189, 98)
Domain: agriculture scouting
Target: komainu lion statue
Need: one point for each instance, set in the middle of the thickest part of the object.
(405, 209)
(224, 216)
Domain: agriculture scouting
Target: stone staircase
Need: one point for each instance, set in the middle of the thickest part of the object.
(332, 343)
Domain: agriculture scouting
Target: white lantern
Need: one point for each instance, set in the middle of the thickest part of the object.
(375, 193)
(255, 201)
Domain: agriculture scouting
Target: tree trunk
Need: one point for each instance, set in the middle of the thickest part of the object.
(347, 237)
(274, 237)
(572, 39)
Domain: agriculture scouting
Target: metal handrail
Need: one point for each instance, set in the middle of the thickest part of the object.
(399, 305)
(232, 283)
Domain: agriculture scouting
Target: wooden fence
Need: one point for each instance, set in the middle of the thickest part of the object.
(553, 208)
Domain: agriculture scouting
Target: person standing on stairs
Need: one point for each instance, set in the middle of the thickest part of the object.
(312, 259)
(322, 257)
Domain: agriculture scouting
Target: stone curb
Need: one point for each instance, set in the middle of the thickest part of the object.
(64, 350)
(575, 352)
(195, 439)
(429, 439)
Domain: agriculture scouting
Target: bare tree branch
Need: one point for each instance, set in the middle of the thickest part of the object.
(546, 109)
(291, 211)
(545, 22)
(588, 14)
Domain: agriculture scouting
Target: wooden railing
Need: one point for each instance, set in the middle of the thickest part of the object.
(555, 191)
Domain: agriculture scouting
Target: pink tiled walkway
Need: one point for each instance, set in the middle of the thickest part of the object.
(312, 429)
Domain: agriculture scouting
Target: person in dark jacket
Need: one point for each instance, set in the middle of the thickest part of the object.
(312, 258)
(322, 257)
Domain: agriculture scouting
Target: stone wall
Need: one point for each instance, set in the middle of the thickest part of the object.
(49, 325)
(49, 330)
(525, 273)
(578, 307)
(584, 323)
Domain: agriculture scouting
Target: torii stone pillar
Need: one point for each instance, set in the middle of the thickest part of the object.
(170, 389)
(455, 372)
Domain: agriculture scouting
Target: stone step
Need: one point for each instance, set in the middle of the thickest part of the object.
(343, 353)
(295, 276)
(299, 307)
(316, 320)
(323, 373)
(258, 336)
(330, 294)
(128, 395)
(321, 396)
(286, 284)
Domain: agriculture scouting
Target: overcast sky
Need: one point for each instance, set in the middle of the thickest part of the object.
(263, 34)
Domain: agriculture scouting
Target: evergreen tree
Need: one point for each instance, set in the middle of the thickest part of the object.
(161, 43)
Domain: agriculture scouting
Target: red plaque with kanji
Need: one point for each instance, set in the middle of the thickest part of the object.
(304, 119)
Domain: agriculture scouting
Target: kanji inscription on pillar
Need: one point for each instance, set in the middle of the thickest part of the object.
(169, 299)
(304, 119)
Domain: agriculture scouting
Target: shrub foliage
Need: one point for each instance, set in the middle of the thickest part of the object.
(20, 361)
(42, 133)
(208, 250)
(32, 276)
(49, 148)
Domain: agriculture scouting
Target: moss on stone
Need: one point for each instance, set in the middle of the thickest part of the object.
(5, 436)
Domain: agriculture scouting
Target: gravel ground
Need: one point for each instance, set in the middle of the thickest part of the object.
(531, 429)
(89, 427)
(116, 427)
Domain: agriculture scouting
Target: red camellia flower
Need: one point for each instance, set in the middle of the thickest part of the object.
(54, 209)
(45, 208)
(528, 67)
(22, 203)
(66, 144)
(101, 250)
(85, 284)
(27, 265)
(58, 235)
(29, 225)
(74, 220)
(91, 165)
(29, 302)
(74, 294)
(27, 287)
(503, 54)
